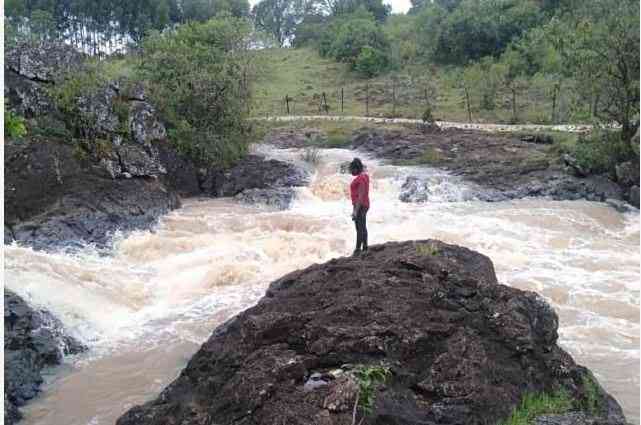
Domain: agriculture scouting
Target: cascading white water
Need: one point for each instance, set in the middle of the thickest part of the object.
(144, 309)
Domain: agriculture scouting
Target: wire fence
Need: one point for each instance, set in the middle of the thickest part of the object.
(396, 98)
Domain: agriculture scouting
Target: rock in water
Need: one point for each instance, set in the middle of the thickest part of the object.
(33, 339)
(461, 348)
(634, 196)
(279, 198)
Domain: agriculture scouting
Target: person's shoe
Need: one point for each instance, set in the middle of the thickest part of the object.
(356, 253)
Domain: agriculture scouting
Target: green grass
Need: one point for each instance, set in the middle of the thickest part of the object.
(304, 76)
(427, 249)
(533, 405)
(592, 402)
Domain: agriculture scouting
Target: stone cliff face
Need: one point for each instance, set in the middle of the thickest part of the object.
(33, 340)
(460, 349)
(114, 171)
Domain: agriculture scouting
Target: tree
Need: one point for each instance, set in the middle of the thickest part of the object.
(348, 35)
(335, 8)
(512, 71)
(605, 49)
(276, 17)
(474, 28)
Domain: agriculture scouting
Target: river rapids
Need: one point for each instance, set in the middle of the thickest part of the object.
(146, 306)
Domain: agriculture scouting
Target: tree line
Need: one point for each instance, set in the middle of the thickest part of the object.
(104, 26)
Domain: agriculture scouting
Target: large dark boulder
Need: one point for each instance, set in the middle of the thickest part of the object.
(254, 172)
(461, 348)
(57, 196)
(33, 340)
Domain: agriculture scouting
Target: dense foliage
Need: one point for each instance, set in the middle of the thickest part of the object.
(358, 40)
(198, 77)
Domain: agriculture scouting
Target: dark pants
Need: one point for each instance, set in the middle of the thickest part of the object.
(361, 229)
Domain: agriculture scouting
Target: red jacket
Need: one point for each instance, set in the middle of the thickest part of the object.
(359, 189)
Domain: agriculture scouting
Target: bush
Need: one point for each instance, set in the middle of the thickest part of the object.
(198, 77)
(67, 93)
(370, 62)
(368, 378)
(14, 125)
(602, 151)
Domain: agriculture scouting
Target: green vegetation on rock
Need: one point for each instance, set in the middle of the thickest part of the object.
(537, 404)
(368, 379)
(14, 124)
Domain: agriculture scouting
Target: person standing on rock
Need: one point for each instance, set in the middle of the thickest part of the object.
(359, 191)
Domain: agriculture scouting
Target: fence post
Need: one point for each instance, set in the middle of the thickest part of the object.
(367, 99)
(342, 100)
(394, 97)
(287, 99)
(324, 104)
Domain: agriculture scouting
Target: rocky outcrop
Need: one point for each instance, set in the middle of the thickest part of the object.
(627, 175)
(55, 196)
(459, 347)
(255, 172)
(505, 167)
(30, 67)
(33, 340)
(144, 124)
(43, 61)
(122, 174)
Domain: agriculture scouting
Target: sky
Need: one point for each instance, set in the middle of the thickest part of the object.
(398, 6)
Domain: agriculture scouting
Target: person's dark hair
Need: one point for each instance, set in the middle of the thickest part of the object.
(356, 166)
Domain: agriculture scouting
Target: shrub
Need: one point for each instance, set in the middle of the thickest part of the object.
(14, 124)
(67, 93)
(198, 77)
(601, 151)
(368, 378)
(370, 62)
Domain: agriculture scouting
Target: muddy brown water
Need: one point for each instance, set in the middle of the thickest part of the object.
(147, 307)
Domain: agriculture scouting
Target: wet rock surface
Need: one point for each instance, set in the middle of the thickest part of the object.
(256, 172)
(505, 166)
(56, 198)
(461, 348)
(33, 340)
(279, 198)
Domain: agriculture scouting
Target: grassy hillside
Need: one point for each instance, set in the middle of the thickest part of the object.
(303, 75)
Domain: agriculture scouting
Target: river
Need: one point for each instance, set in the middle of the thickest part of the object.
(146, 307)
